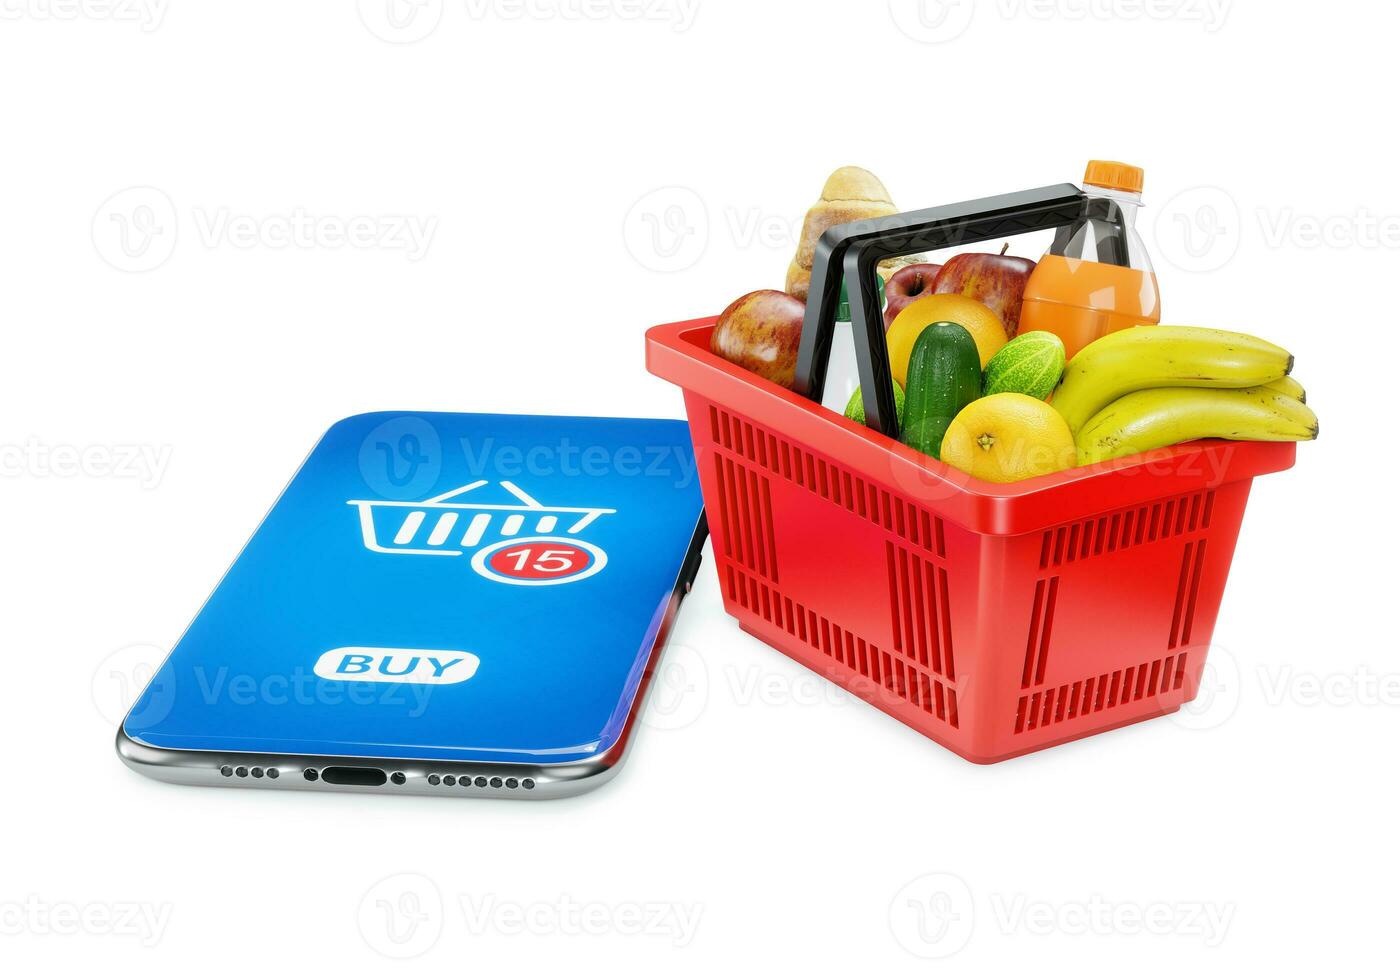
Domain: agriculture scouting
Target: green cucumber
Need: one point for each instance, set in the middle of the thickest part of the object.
(945, 375)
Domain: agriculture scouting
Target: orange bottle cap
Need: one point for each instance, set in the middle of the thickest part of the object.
(1114, 175)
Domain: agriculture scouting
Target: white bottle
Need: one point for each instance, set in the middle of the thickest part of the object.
(842, 374)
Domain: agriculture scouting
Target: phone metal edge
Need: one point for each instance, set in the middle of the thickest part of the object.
(202, 767)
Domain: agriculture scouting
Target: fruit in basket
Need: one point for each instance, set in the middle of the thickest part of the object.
(971, 315)
(1161, 357)
(760, 332)
(889, 268)
(855, 408)
(850, 194)
(1157, 417)
(906, 285)
(945, 376)
(1030, 364)
(1290, 386)
(1006, 437)
(997, 281)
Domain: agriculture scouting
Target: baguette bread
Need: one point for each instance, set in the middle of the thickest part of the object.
(850, 194)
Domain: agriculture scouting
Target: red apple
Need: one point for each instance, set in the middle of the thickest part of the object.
(760, 332)
(997, 281)
(907, 285)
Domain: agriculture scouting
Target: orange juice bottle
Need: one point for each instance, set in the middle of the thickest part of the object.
(1096, 277)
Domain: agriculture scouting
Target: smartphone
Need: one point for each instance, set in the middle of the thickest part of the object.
(447, 604)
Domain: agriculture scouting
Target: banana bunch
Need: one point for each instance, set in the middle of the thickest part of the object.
(1148, 387)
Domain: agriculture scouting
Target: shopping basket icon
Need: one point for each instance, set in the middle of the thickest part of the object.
(440, 526)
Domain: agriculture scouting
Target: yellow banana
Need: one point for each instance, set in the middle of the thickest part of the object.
(1289, 386)
(1159, 357)
(1157, 417)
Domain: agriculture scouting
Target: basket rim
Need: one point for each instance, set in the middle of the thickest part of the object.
(679, 352)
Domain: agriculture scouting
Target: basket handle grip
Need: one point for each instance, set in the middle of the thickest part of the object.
(854, 249)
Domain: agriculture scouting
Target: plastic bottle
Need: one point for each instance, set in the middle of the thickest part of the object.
(842, 375)
(1095, 279)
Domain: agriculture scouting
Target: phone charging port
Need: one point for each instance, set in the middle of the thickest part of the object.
(354, 776)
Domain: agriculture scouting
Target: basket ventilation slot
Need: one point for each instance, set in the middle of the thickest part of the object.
(746, 517)
(1100, 693)
(1038, 638)
(1125, 529)
(1189, 586)
(906, 680)
(919, 605)
(829, 481)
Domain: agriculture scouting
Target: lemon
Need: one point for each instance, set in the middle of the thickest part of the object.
(1007, 437)
(976, 318)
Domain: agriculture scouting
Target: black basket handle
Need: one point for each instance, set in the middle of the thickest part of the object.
(854, 249)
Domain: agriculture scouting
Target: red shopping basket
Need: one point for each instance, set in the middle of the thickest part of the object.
(997, 619)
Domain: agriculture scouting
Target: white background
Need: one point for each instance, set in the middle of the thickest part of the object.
(543, 149)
